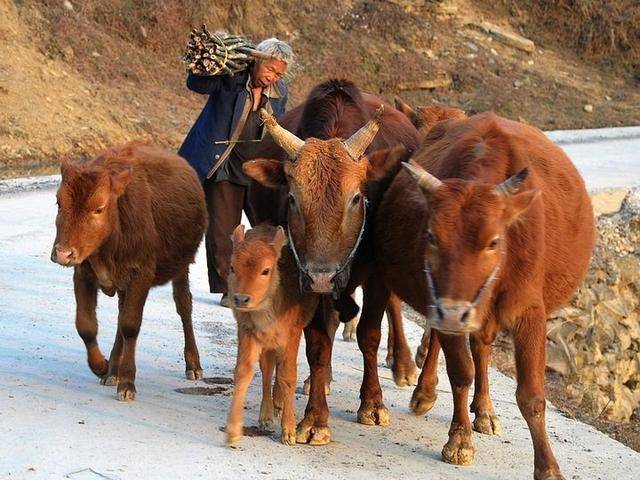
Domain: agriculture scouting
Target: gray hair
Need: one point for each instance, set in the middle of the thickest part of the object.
(278, 50)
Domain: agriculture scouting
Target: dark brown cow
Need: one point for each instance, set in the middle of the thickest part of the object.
(130, 220)
(496, 236)
(326, 183)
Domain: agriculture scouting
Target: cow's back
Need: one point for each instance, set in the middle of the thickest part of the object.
(165, 200)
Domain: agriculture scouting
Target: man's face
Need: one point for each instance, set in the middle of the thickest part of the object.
(268, 72)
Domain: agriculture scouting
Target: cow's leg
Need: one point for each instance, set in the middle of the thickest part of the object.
(314, 427)
(332, 323)
(485, 420)
(425, 395)
(287, 380)
(459, 449)
(529, 335)
(372, 410)
(129, 321)
(184, 306)
(277, 393)
(350, 327)
(390, 339)
(423, 348)
(85, 288)
(267, 365)
(403, 366)
(112, 376)
(248, 353)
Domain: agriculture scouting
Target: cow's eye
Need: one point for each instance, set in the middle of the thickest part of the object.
(356, 200)
(494, 244)
(292, 200)
(266, 272)
(99, 210)
(231, 270)
(431, 239)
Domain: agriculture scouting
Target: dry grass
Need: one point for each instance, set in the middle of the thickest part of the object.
(602, 30)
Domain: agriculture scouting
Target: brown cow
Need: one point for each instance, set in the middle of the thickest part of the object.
(129, 220)
(271, 312)
(496, 236)
(425, 118)
(424, 396)
(329, 192)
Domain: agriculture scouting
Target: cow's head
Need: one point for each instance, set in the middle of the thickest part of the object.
(87, 210)
(425, 118)
(326, 203)
(253, 276)
(465, 243)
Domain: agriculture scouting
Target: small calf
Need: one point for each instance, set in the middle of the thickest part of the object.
(271, 314)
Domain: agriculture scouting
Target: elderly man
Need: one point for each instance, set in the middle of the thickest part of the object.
(224, 137)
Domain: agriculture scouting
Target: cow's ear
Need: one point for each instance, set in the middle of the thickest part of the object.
(66, 167)
(267, 172)
(279, 240)
(383, 162)
(120, 179)
(238, 234)
(520, 202)
(409, 112)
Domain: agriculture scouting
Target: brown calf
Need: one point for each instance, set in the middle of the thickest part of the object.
(129, 220)
(271, 313)
(496, 236)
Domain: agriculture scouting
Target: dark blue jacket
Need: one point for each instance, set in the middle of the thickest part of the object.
(207, 145)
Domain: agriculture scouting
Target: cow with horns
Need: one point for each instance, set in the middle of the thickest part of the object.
(329, 172)
(489, 228)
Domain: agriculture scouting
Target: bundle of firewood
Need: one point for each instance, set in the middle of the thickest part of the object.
(214, 53)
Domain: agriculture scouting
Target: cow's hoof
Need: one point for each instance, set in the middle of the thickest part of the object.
(126, 391)
(233, 440)
(458, 450)
(196, 374)
(487, 424)
(405, 374)
(109, 380)
(313, 435)
(421, 402)
(349, 331)
(374, 415)
(289, 436)
(306, 387)
(554, 474)
(265, 425)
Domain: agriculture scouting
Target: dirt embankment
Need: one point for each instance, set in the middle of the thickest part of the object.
(76, 77)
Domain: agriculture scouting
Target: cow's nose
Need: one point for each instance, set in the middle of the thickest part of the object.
(455, 316)
(322, 282)
(241, 300)
(63, 256)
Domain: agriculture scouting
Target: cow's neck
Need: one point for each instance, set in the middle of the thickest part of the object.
(103, 273)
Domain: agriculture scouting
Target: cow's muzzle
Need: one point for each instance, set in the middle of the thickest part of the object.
(64, 255)
(454, 317)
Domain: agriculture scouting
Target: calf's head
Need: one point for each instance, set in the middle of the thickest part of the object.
(87, 210)
(465, 244)
(326, 197)
(253, 276)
